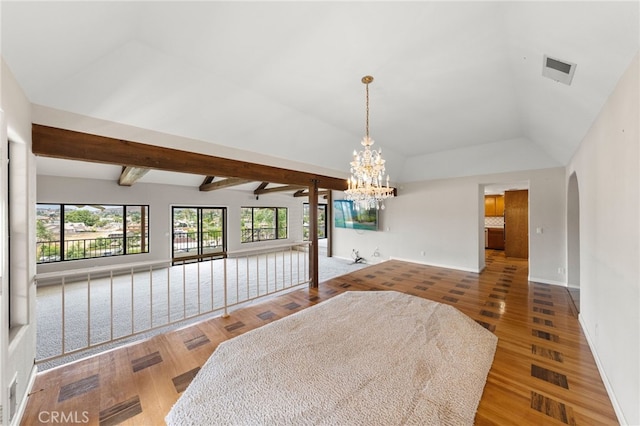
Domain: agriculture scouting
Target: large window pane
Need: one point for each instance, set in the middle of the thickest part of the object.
(282, 223)
(198, 231)
(93, 231)
(246, 224)
(48, 238)
(322, 223)
(185, 231)
(211, 237)
(74, 232)
(264, 220)
(137, 227)
(263, 223)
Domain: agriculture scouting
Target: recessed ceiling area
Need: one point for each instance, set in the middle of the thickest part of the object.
(458, 87)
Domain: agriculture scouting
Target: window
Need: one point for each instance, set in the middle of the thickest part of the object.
(263, 223)
(322, 222)
(74, 232)
(199, 233)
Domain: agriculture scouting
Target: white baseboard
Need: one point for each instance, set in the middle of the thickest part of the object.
(546, 281)
(603, 376)
(458, 268)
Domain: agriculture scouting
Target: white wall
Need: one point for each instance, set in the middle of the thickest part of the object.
(444, 218)
(17, 349)
(160, 199)
(606, 165)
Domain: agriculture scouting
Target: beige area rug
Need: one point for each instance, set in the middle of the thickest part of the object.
(360, 358)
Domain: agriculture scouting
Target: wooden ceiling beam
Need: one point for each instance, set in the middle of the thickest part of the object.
(263, 185)
(277, 189)
(305, 193)
(224, 183)
(130, 175)
(71, 145)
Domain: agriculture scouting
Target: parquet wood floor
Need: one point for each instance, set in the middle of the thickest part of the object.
(543, 371)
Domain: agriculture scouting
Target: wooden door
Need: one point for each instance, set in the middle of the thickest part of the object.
(516, 224)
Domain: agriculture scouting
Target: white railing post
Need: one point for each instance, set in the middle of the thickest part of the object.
(184, 290)
(212, 286)
(238, 280)
(246, 266)
(198, 282)
(266, 271)
(275, 271)
(226, 314)
(63, 317)
(304, 255)
(257, 275)
(151, 296)
(133, 304)
(89, 309)
(111, 302)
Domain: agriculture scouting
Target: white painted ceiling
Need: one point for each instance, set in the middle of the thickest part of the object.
(458, 86)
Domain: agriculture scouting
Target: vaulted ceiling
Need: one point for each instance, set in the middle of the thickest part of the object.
(458, 86)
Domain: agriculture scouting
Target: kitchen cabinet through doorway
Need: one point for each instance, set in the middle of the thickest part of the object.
(494, 205)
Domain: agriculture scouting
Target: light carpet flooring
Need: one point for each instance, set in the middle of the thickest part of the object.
(49, 316)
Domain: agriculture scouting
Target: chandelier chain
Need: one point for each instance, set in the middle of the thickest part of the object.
(367, 121)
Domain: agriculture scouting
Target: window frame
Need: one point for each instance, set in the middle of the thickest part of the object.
(277, 228)
(201, 250)
(322, 225)
(96, 250)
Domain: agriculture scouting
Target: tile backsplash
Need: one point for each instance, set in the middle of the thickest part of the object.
(495, 221)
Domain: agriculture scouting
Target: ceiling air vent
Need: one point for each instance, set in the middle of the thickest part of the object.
(558, 70)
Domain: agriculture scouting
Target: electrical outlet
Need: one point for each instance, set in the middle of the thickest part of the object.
(422, 253)
(561, 270)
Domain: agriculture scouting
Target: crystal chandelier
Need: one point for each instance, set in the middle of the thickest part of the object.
(365, 187)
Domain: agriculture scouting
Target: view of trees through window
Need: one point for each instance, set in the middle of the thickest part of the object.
(322, 221)
(263, 223)
(73, 232)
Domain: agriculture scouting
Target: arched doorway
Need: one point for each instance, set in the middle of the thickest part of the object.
(573, 240)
